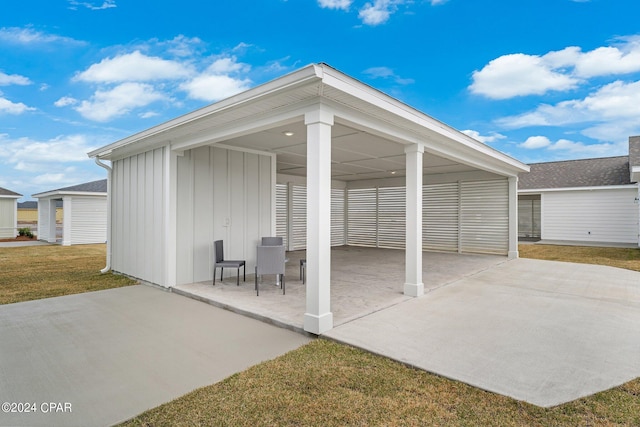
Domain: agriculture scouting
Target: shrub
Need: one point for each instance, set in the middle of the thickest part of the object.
(25, 232)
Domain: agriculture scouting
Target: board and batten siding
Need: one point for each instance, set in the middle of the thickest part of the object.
(88, 219)
(137, 216)
(597, 215)
(8, 209)
(222, 195)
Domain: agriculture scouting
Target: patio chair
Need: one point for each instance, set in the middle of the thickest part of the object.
(270, 260)
(272, 241)
(222, 263)
(303, 270)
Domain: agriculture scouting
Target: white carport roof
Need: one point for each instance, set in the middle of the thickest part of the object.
(368, 138)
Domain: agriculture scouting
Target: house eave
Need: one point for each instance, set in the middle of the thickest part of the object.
(68, 193)
(590, 188)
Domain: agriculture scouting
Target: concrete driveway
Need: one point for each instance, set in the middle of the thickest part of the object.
(540, 331)
(99, 358)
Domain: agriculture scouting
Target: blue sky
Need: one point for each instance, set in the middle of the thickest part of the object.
(539, 80)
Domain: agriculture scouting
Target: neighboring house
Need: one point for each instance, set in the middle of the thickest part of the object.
(8, 213)
(213, 174)
(589, 201)
(84, 213)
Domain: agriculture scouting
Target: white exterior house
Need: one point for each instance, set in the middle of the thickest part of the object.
(592, 201)
(229, 171)
(8, 213)
(84, 210)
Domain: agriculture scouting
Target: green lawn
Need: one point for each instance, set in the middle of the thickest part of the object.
(36, 272)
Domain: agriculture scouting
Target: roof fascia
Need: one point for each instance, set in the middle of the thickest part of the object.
(10, 196)
(68, 193)
(593, 188)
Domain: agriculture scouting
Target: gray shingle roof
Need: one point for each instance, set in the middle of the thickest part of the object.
(5, 192)
(576, 173)
(88, 187)
(634, 151)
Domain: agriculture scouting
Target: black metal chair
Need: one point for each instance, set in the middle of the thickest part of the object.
(303, 270)
(270, 260)
(272, 241)
(226, 263)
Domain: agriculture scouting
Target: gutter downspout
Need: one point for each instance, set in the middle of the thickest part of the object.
(107, 268)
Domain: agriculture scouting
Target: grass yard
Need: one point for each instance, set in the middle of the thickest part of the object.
(329, 384)
(36, 272)
(613, 257)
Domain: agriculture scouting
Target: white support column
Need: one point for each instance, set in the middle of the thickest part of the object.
(52, 232)
(413, 285)
(67, 212)
(513, 217)
(318, 317)
(170, 216)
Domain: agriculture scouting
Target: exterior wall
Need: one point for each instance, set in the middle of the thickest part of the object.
(461, 213)
(138, 218)
(88, 219)
(222, 195)
(598, 215)
(8, 217)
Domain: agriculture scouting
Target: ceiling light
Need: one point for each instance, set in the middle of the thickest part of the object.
(288, 133)
(393, 172)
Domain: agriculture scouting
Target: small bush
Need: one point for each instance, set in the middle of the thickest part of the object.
(25, 232)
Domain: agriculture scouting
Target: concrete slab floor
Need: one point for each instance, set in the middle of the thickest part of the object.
(540, 331)
(110, 355)
(363, 281)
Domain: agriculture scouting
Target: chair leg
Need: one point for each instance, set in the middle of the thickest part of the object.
(257, 291)
(238, 277)
(221, 273)
(214, 276)
(282, 281)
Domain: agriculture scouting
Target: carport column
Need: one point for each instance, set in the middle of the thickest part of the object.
(66, 220)
(413, 285)
(51, 237)
(513, 217)
(318, 317)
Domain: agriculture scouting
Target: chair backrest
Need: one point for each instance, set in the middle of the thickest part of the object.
(270, 260)
(219, 250)
(272, 241)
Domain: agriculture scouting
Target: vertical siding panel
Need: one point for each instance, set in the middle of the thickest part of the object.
(252, 200)
(184, 219)
(141, 222)
(157, 234)
(235, 245)
(265, 193)
(202, 211)
(150, 228)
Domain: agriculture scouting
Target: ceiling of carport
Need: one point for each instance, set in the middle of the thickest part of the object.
(355, 154)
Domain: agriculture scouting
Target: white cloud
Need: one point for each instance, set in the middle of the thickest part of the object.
(220, 80)
(615, 101)
(214, 87)
(71, 148)
(29, 36)
(108, 104)
(65, 101)
(133, 66)
(492, 137)
(567, 149)
(517, 75)
(9, 107)
(335, 4)
(148, 114)
(520, 74)
(378, 12)
(13, 79)
(535, 142)
(387, 73)
(107, 4)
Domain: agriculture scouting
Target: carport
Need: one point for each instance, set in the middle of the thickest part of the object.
(214, 173)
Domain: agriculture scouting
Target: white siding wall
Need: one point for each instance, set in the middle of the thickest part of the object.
(8, 209)
(600, 215)
(484, 216)
(138, 220)
(222, 195)
(88, 219)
